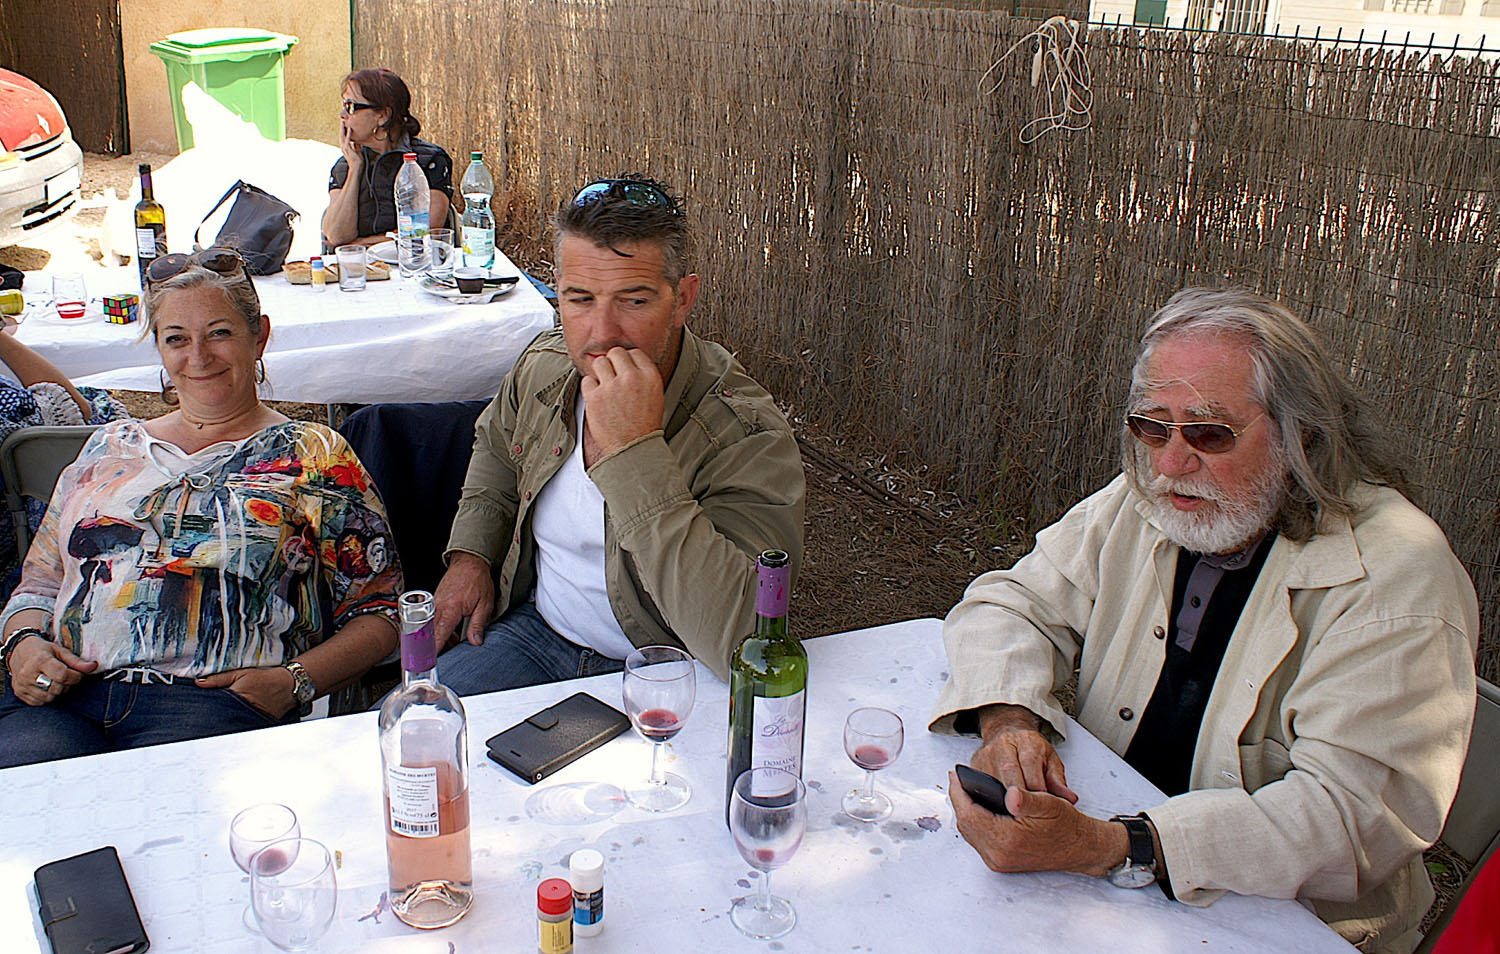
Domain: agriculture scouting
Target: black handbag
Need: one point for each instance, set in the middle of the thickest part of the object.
(259, 227)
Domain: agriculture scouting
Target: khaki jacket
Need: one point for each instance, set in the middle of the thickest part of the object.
(1333, 739)
(687, 509)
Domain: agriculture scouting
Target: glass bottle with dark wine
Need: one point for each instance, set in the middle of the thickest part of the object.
(150, 226)
(425, 761)
(767, 683)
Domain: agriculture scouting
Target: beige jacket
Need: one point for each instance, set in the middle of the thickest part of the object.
(1334, 737)
(687, 509)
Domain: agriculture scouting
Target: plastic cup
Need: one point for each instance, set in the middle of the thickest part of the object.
(440, 254)
(353, 262)
(69, 295)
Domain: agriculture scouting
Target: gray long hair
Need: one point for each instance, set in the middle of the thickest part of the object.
(236, 287)
(1320, 421)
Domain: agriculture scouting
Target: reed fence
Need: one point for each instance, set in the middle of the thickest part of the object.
(887, 256)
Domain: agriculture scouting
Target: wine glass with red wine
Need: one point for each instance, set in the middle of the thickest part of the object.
(660, 685)
(872, 739)
(768, 817)
(253, 829)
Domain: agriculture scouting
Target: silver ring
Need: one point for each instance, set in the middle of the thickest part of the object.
(43, 681)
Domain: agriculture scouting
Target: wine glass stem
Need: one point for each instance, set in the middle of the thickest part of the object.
(763, 899)
(869, 785)
(656, 776)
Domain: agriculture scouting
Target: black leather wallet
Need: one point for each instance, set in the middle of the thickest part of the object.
(556, 736)
(87, 907)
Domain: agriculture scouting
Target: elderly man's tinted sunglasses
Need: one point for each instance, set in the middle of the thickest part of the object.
(633, 191)
(1210, 437)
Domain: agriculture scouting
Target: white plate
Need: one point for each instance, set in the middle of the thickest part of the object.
(385, 252)
(47, 315)
(458, 297)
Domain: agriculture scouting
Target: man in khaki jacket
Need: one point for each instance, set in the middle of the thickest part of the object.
(627, 475)
(1263, 625)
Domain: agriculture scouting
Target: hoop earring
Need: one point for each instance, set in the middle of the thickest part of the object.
(260, 371)
(168, 391)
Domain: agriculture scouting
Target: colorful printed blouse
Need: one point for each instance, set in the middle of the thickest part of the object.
(244, 554)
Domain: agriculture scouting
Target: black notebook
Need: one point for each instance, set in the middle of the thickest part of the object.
(86, 905)
(557, 736)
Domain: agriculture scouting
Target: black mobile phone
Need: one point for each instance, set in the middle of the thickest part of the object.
(556, 736)
(86, 905)
(986, 790)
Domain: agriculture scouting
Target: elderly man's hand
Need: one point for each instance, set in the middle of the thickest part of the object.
(1045, 833)
(623, 396)
(466, 589)
(1017, 753)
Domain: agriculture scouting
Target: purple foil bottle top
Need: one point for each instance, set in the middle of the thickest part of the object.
(418, 649)
(771, 598)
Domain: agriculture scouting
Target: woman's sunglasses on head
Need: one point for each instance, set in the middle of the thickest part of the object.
(1210, 437)
(217, 259)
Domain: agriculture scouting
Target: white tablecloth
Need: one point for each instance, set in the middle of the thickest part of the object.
(391, 342)
(908, 884)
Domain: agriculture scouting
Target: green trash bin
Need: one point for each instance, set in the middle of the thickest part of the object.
(238, 67)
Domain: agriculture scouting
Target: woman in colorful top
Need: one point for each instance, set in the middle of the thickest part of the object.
(34, 392)
(376, 128)
(204, 572)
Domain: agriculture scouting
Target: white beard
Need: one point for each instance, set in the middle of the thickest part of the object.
(1231, 524)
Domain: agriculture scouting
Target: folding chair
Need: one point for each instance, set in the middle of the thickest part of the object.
(1473, 826)
(31, 460)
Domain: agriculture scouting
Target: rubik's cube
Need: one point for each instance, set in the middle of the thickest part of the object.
(122, 309)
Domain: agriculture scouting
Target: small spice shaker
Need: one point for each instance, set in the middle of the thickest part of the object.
(586, 871)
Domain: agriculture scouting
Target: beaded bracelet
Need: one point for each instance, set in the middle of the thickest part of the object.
(10, 642)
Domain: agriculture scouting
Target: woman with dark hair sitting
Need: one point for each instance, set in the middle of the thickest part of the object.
(376, 128)
(208, 571)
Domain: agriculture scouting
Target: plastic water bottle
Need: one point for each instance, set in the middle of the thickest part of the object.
(412, 196)
(478, 222)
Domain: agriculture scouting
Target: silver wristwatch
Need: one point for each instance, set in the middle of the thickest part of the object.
(1139, 868)
(302, 684)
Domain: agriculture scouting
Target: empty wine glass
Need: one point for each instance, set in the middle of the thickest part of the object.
(253, 829)
(294, 892)
(872, 739)
(660, 685)
(768, 816)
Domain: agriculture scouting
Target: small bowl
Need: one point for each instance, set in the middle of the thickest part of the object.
(470, 280)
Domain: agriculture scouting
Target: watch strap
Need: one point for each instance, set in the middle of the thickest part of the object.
(1140, 867)
(303, 689)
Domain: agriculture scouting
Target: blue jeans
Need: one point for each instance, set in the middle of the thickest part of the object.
(519, 649)
(98, 716)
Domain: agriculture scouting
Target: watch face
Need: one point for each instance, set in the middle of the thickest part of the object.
(1132, 876)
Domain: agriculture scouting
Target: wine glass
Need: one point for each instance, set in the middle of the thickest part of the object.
(768, 816)
(253, 829)
(872, 739)
(294, 892)
(660, 684)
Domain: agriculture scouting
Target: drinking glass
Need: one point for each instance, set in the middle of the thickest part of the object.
(872, 739)
(660, 684)
(768, 816)
(294, 892)
(69, 296)
(354, 261)
(440, 254)
(253, 829)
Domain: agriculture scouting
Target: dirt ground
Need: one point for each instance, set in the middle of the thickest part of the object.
(880, 546)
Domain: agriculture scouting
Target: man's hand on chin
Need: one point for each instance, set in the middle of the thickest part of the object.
(623, 397)
(1044, 833)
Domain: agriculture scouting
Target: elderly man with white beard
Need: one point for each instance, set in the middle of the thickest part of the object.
(1262, 624)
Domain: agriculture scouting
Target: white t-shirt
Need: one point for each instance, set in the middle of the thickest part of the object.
(568, 524)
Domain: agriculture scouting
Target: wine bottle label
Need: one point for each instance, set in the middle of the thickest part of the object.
(776, 738)
(145, 243)
(414, 800)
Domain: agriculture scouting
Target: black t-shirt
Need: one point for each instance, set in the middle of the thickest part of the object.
(377, 185)
(1202, 619)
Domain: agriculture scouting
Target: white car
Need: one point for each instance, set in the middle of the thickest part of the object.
(40, 164)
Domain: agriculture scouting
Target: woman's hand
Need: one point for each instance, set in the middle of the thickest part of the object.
(35, 656)
(352, 153)
(267, 688)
